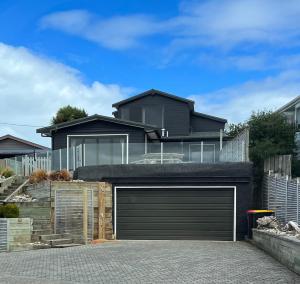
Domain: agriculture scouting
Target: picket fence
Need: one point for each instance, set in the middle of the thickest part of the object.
(282, 194)
(25, 165)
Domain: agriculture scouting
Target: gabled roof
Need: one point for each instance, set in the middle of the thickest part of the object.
(34, 145)
(95, 117)
(209, 116)
(289, 104)
(154, 92)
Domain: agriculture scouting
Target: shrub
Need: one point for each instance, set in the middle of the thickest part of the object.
(7, 172)
(62, 175)
(53, 175)
(9, 211)
(38, 176)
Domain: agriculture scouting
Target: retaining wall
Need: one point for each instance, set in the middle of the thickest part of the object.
(283, 248)
(15, 233)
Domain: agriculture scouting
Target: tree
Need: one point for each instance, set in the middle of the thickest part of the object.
(270, 134)
(68, 113)
(234, 129)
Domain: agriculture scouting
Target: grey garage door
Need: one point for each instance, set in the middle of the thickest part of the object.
(174, 213)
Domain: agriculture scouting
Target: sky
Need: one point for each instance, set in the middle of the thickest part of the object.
(230, 57)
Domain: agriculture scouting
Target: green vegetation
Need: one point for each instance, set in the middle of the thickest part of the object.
(270, 134)
(68, 113)
(9, 211)
(6, 172)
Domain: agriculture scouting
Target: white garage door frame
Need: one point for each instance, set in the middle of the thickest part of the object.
(116, 188)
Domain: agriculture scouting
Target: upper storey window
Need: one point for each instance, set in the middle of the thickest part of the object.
(154, 115)
(148, 114)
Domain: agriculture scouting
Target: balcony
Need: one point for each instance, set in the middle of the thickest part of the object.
(82, 151)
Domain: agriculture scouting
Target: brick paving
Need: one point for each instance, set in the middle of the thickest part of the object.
(146, 262)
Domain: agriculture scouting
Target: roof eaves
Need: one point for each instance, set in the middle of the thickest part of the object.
(288, 105)
(152, 91)
(92, 118)
(209, 116)
(8, 136)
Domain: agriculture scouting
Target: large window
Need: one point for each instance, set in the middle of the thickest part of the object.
(202, 153)
(97, 150)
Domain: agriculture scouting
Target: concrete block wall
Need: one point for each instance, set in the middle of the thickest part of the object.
(19, 233)
(283, 248)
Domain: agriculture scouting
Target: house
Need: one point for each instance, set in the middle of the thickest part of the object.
(142, 125)
(291, 111)
(172, 172)
(11, 146)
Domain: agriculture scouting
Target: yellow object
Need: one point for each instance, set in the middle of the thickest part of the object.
(260, 211)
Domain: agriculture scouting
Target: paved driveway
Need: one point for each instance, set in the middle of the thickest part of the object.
(146, 262)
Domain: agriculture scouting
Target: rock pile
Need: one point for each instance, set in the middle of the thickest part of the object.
(271, 224)
(22, 198)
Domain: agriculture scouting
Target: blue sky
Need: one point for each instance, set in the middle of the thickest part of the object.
(231, 57)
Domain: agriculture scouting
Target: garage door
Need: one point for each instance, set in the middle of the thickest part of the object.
(165, 213)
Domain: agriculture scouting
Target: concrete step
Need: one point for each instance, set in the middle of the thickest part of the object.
(50, 237)
(41, 222)
(42, 227)
(66, 245)
(35, 236)
(57, 242)
(42, 218)
(41, 232)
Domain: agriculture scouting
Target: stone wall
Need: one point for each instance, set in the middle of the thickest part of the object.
(285, 249)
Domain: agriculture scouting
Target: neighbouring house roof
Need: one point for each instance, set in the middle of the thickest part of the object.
(289, 104)
(33, 145)
(47, 130)
(154, 92)
(209, 116)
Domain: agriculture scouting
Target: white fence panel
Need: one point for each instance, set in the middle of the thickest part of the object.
(292, 201)
(282, 195)
(25, 165)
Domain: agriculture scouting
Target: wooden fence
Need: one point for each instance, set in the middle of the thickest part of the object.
(281, 164)
(237, 149)
(82, 209)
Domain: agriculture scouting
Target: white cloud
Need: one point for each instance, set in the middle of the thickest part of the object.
(32, 88)
(119, 32)
(231, 22)
(236, 103)
(221, 24)
(252, 62)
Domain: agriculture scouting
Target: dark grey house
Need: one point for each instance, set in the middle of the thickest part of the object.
(174, 173)
(136, 132)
